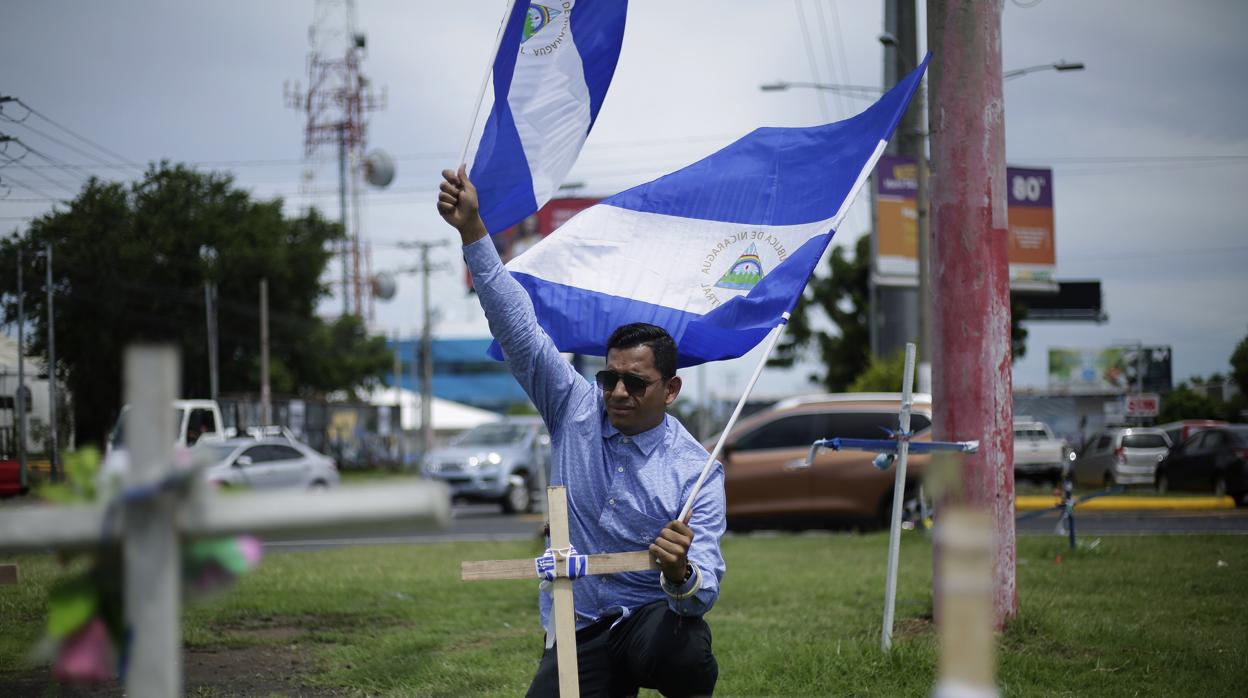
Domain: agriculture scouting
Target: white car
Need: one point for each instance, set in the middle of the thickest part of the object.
(264, 463)
(1038, 453)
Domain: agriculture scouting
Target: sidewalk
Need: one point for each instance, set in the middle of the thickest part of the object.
(1126, 502)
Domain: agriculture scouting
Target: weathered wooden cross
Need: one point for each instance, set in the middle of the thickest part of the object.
(564, 608)
(155, 517)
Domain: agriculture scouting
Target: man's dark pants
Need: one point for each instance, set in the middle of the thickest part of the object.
(652, 648)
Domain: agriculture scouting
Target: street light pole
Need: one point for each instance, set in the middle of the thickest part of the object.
(856, 91)
(1060, 66)
(266, 396)
(53, 445)
(209, 256)
(426, 359)
(914, 139)
(20, 396)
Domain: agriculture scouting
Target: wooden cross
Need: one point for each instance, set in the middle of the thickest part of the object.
(151, 527)
(564, 608)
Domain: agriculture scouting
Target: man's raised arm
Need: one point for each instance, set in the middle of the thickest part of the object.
(533, 358)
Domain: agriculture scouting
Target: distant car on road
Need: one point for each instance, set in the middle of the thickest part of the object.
(1213, 460)
(494, 462)
(767, 484)
(1038, 454)
(1182, 430)
(261, 463)
(1121, 456)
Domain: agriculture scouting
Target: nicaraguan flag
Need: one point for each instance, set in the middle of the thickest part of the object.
(555, 62)
(714, 253)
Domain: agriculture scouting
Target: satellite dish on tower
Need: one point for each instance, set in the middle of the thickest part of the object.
(384, 286)
(379, 169)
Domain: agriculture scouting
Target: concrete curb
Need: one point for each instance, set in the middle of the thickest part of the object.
(1127, 503)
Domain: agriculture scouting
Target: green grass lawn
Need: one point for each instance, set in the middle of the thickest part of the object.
(799, 616)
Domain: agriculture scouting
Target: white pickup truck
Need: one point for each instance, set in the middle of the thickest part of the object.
(194, 420)
(1037, 453)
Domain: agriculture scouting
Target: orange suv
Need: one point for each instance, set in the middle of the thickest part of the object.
(764, 477)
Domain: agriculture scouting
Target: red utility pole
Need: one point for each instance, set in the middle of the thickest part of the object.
(971, 382)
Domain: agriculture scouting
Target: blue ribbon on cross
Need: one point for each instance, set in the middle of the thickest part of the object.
(577, 565)
(887, 448)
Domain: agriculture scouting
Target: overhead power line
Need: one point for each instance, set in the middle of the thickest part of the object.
(46, 197)
(44, 177)
(56, 140)
(31, 110)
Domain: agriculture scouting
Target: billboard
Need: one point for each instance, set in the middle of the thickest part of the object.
(1109, 370)
(1032, 253)
(896, 217)
(1032, 249)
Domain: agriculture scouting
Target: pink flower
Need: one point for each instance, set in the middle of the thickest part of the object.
(87, 656)
(252, 549)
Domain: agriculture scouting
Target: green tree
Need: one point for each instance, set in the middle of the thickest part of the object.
(1239, 365)
(1185, 403)
(128, 265)
(844, 296)
(882, 375)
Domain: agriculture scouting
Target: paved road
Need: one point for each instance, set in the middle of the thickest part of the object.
(485, 523)
(1225, 521)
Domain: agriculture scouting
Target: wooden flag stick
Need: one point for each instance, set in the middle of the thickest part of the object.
(485, 80)
(687, 511)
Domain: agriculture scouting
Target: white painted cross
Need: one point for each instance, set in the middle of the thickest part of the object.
(564, 608)
(151, 527)
(897, 448)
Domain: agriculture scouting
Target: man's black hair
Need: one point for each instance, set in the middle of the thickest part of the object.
(639, 334)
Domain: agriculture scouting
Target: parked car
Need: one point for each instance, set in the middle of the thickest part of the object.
(1038, 454)
(764, 455)
(1121, 456)
(495, 462)
(1213, 460)
(266, 462)
(1182, 430)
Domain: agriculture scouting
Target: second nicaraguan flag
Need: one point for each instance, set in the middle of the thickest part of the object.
(554, 65)
(714, 253)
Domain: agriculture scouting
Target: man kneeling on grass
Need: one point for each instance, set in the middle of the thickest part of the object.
(628, 467)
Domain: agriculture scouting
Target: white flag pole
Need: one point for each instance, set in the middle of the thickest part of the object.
(485, 80)
(899, 494)
(706, 469)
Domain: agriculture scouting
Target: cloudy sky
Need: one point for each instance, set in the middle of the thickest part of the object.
(1149, 145)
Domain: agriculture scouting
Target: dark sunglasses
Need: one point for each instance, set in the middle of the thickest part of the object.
(636, 386)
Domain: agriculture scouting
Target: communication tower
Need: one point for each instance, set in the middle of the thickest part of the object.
(336, 101)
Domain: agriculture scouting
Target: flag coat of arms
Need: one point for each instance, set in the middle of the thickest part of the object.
(554, 64)
(715, 253)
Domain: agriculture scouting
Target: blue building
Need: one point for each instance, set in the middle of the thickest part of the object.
(461, 372)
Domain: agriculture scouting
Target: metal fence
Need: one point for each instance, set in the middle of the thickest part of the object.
(357, 435)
